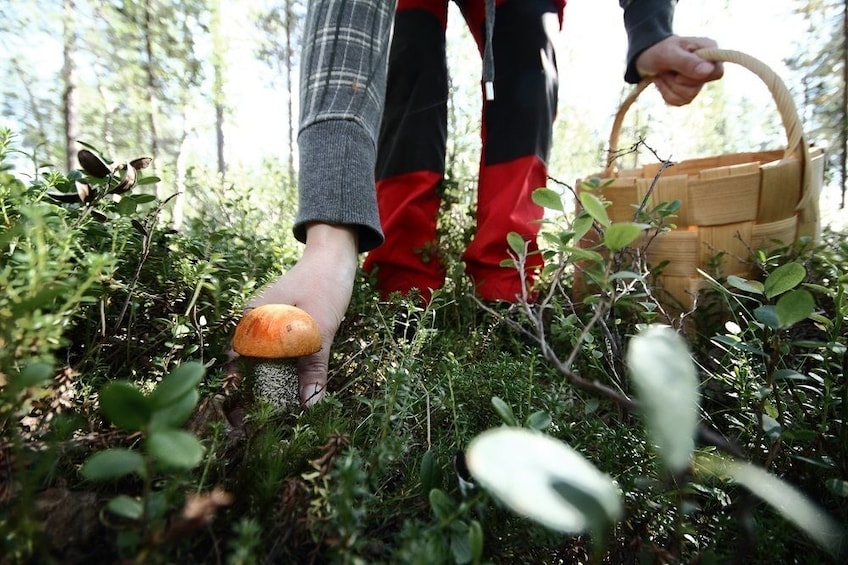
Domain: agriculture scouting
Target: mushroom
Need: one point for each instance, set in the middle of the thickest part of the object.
(274, 336)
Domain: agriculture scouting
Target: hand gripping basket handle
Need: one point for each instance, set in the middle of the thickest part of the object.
(795, 142)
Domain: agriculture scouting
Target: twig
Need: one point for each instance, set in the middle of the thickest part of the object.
(705, 434)
(153, 217)
(536, 316)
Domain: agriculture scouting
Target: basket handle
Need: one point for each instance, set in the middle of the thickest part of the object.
(781, 95)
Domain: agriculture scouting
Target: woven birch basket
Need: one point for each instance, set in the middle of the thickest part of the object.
(731, 204)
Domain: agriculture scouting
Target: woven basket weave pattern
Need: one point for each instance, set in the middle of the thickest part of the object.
(730, 204)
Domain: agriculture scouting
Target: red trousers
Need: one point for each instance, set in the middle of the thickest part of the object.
(516, 135)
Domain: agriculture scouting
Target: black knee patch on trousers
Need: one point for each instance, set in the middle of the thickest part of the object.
(413, 134)
(519, 120)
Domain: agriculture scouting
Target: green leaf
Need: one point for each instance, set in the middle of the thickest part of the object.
(176, 414)
(175, 448)
(556, 239)
(789, 375)
(784, 278)
(620, 235)
(820, 289)
(597, 521)
(595, 183)
(821, 462)
(460, 545)
(580, 254)
(582, 225)
(595, 207)
(547, 198)
(767, 315)
(771, 427)
(429, 472)
(144, 198)
(736, 344)
(520, 467)
(129, 540)
(538, 420)
(177, 384)
(443, 505)
(475, 541)
(126, 507)
(823, 320)
(668, 208)
(508, 263)
(127, 207)
(783, 497)
(504, 411)
(157, 504)
(125, 406)
(152, 179)
(516, 243)
(754, 287)
(625, 275)
(794, 306)
(112, 464)
(32, 375)
(44, 297)
(667, 384)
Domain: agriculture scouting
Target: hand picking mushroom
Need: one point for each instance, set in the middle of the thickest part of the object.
(275, 335)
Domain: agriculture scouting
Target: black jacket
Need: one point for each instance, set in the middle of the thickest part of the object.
(647, 22)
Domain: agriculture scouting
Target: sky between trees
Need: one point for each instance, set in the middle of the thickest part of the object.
(591, 50)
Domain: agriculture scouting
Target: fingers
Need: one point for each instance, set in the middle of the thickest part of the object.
(691, 65)
(676, 92)
(312, 370)
(321, 283)
(676, 70)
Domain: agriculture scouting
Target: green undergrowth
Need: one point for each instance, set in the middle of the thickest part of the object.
(105, 309)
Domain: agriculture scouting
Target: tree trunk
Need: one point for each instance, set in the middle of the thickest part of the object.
(219, 68)
(40, 120)
(70, 102)
(107, 137)
(843, 163)
(180, 181)
(289, 69)
(152, 100)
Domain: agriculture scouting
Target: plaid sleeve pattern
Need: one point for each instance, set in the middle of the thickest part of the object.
(342, 91)
(344, 61)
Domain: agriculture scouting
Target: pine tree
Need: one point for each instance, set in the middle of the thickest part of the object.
(280, 27)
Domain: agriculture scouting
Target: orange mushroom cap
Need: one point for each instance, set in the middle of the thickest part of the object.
(276, 331)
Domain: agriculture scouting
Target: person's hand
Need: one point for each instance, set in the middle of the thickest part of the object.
(321, 283)
(677, 72)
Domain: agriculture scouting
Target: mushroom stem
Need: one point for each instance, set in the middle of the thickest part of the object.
(277, 381)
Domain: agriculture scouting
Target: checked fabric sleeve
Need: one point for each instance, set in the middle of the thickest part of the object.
(342, 91)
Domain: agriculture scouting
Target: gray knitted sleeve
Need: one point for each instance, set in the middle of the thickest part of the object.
(342, 89)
